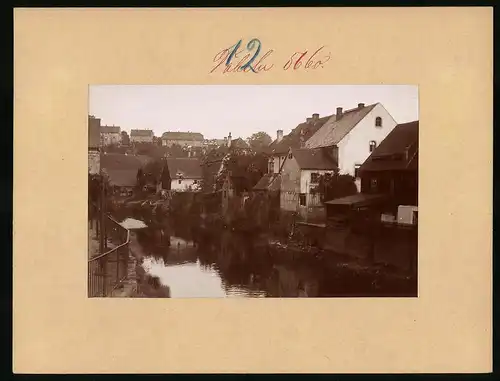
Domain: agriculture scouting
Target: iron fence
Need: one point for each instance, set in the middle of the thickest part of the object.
(106, 271)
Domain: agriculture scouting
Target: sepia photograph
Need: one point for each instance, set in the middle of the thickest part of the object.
(251, 191)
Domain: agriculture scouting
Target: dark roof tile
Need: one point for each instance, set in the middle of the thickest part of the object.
(332, 132)
(190, 168)
(398, 151)
(314, 159)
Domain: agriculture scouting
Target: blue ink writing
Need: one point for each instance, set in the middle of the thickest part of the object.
(250, 46)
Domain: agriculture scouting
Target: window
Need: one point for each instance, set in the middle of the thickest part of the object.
(373, 185)
(302, 199)
(356, 170)
(314, 178)
(180, 181)
(378, 121)
(290, 155)
(373, 145)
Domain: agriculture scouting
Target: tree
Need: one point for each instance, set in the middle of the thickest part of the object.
(259, 140)
(125, 138)
(331, 186)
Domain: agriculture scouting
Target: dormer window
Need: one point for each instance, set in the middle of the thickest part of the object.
(378, 121)
(373, 145)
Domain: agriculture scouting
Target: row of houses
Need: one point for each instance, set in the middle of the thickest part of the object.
(114, 135)
(364, 142)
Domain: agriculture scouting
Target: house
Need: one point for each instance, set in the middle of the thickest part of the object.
(94, 142)
(122, 170)
(279, 148)
(299, 177)
(215, 142)
(381, 222)
(141, 136)
(110, 135)
(352, 135)
(184, 174)
(170, 138)
(392, 170)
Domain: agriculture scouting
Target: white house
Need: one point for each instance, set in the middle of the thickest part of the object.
(110, 135)
(141, 136)
(193, 139)
(352, 135)
(185, 174)
(299, 174)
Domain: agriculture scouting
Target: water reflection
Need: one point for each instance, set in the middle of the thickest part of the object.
(192, 263)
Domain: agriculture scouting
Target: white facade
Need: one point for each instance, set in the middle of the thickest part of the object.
(183, 185)
(354, 148)
(275, 162)
(182, 143)
(141, 139)
(108, 138)
(305, 178)
(94, 162)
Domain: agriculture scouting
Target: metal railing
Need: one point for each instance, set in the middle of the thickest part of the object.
(108, 270)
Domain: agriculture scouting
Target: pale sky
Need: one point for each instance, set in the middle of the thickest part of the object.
(240, 109)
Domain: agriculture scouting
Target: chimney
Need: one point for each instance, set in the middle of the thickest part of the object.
(229, 138)
(309, 120)
(315, 117)
(279, 135)
(361, 105)
(338, 115)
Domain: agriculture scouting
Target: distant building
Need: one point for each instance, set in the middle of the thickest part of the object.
(184, 174)
(122, 169)
(110, 135)
(94, 143)
(215, 142)
(141, 136)
(194, 139)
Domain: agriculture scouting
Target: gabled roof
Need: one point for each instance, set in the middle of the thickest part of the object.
(173, 135)
(119, 161)
(141, 133)
(332, 132)
(122, 177)
(270, 181)
(110, 129)
(293, 139)
(314, 159)
(239, 143)
(189, 168)
(398, 151)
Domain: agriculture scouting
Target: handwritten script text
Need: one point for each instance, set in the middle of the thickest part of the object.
(249, 59)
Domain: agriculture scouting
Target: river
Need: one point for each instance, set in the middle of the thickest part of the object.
(228, 264)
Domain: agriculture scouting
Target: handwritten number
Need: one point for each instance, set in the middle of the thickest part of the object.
(231, 55)
(250, 46)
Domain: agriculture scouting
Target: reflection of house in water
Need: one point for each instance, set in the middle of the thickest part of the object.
(290, 281)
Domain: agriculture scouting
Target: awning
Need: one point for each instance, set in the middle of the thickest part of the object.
(358, 200)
